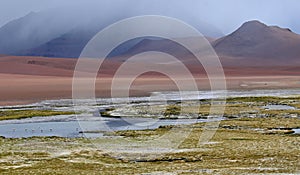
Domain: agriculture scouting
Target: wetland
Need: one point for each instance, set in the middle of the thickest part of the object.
(258, 134)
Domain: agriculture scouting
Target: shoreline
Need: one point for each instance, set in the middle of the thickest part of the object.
(146, 94)
(89, 120)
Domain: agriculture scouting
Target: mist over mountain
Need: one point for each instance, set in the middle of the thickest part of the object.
(31, 31)
(66, 34)
(38, 28)
(253, 43)
(64, 31)
(68, 44)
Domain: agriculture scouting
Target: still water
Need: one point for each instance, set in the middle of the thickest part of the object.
(89, 119)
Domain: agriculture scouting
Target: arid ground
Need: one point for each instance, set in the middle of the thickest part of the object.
(31, 79)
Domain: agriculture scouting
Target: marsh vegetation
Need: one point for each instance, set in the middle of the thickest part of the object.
(239, 146)
(21, 114)
(251, 139)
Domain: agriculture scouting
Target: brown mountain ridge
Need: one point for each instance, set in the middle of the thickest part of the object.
(257, 40)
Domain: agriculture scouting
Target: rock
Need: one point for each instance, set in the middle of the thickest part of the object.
(203, 117)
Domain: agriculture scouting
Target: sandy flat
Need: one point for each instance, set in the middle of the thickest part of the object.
(32, 79)
(20, 89)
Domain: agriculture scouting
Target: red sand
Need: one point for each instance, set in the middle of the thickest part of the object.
(32, 79)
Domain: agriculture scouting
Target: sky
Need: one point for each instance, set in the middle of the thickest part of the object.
(226, 15)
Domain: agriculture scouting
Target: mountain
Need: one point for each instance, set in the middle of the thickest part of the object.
(71, 44)
(67, 45)
(252, 44)
(33, 30)
(166, 46)
(257, 40)
(66, 34)
(54, 32)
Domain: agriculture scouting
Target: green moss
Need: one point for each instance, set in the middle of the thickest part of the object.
(240, 138)
(172, 110)
(273, 113)
(20, 114)
(295, 105)
(143, 133)
(263, 123)
(256, 99)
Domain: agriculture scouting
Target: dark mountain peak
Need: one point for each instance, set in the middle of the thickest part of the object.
(282, 29)
(257, 40)
(258, 28)
(253, 23)
(252, 28)
(250, 33)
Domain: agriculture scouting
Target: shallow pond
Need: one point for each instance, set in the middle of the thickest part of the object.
(297, 131)
(70, 125)
(279, 107)
(73, 128)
